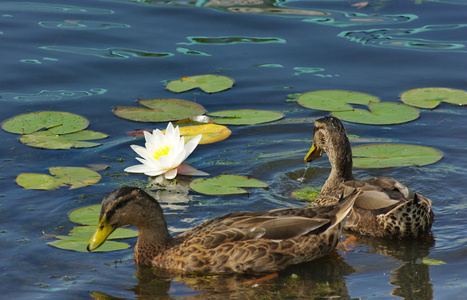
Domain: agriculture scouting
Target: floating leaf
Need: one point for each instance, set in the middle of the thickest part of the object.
(393, 155)
(49, 140)
(62, 176)
(211, 132)
(381, 113)
(208, 83)
(245, 116)
(334, 100)
(160, 110)
(80, 246)
(225, 185)
(433, 262)
(84, 233)
(432, 97)
(88, 215)
(306, 193)
(56, 122)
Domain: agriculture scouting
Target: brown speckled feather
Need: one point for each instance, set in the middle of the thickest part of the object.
(246, 242)
(385, 208)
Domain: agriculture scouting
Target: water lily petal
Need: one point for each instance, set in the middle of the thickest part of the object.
(141, 151)
(192, 144)
(136, 169)
(185, 169)
(171, 174)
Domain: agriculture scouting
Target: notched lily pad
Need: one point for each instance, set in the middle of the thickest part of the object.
(160, 110)
(393, 155)
(381, 113)
(431, 97)
(79, 236)
(207, 83)
(225, 185)
(54, 121)
(49, 140)
(245, 116)
(334, 100)
(61, 176)
(211, 133)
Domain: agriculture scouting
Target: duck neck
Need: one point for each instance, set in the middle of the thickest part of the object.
(340, 158)
(153, 237)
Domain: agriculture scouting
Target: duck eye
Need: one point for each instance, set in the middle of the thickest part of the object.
(101, 227)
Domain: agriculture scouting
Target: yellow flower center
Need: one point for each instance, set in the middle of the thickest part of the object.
(161, 151)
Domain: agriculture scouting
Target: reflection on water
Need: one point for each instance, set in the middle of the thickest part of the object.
(389, 38)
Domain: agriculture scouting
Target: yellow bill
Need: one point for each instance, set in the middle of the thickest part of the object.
(313, 154)
(104, 229)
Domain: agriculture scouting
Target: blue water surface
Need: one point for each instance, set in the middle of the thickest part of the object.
(88, 56)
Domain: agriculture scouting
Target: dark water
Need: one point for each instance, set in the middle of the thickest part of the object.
(86, 57)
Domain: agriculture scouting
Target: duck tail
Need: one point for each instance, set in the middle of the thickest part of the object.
(346, 203)
(411, 219)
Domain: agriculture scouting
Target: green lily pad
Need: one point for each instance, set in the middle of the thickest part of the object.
(245, 116)
(55, 121)
(381, 113)
(62, 176)
(334, 100)
(431, 97)
(49, 140)
(160, 110)
(306, 193)
(225, 185)
(207, 83)
(84, 233)
(88, 215)
(211, 133)
(80, 246)
(432, 262)
(393, 155)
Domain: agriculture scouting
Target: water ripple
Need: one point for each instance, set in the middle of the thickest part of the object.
(81, 25)
(116, 53)
(44, 7)
(46, 95)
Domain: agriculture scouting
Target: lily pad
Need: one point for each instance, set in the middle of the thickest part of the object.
(54, 121)
(306, 193)
(88, 215)
(431, 97)
(49, 140)
(62, 176)
(160, 110)
(207, 83)
(211, 132)
(225, 185)
(381, 113)
(393, 155)
(433, 262)
(80, 245)
(245, 116)
(334, 100)
(79, 236)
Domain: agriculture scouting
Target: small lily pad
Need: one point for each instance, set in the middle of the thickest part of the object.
(433, 262)
(211, 132)
(393, 155)
(88, 215)
(381, 113)
(207, 83)
(62, 176)
(225, 185)
(56, 122)
(160, 110)
(431, 97)
(334, 100)
(245, 116)
(306, 193)
(49, 140)
(80, 245)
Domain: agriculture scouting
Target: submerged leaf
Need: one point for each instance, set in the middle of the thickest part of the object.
(433, 262)
(56, 122)
(306, 193)
(48, 140)
(62, 176)
(245, 116)
(334, 100)
(225, 185)
(431, 97)
(207, 83)
(393, 155)
(381, 113)
(160, 110)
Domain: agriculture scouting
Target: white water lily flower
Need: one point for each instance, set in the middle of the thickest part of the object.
(163, 154)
